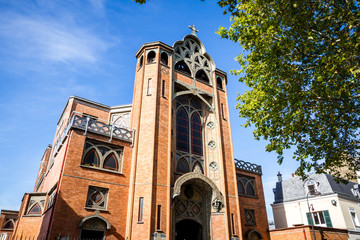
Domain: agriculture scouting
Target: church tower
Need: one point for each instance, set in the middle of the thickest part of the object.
(183, 180)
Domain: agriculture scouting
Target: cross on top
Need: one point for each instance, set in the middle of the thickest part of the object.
(193, 29)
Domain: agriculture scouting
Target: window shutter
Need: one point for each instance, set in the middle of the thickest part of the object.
(327, 218)
(308, 215)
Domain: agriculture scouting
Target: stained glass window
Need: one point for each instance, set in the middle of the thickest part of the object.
(36, 209)
(182, 130)
(111, 162)
(196, 134)
(92, 158)
(182, 166)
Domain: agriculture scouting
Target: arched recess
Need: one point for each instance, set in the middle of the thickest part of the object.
(95, 217)
(253, 235)
(217, 197)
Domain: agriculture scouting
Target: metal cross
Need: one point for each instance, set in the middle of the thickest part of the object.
(194, 30)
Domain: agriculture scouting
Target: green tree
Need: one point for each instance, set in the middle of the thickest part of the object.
(302, 69)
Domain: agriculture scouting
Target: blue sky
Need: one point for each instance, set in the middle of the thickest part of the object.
(51, 50)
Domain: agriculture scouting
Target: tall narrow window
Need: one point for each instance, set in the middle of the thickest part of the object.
(196, 134)
(222, 111)
(354, 217)
(219, 82)
(141, 61)
(141, 208)
(158, 224)
(163, 89)
(182, 130)
(164, 58)
(149, 87)
(232, 224)
(151, 57)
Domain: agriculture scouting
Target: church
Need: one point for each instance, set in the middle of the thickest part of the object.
(160, 168)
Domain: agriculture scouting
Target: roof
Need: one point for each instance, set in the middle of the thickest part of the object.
(293, 189)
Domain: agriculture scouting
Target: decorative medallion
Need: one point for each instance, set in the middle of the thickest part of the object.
(210, 125)
(212, 144)
(213, 166)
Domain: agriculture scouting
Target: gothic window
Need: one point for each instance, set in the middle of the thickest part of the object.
(36, 205)
(151, 57)
(148, 92)
(249, 217)
(182, 166)
(97, 198)
(189, 134)
(102, 156)
(164, 58)
(182, 67)
(201, 75)
(246, 186)
(8, 224)
(141, 210)
(196, 134)
(91, 158)
(219, 82)
(163, 88)
(182, 131)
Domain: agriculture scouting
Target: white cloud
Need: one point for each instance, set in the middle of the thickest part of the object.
(98, 6)
(46, 39)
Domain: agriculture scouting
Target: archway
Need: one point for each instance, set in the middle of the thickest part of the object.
(188, 230)
(93, 227)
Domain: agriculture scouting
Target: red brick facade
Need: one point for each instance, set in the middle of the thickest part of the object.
(306, 233)
(152, 188)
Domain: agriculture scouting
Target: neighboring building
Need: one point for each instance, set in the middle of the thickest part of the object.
(7, 223)
(161, 168)
(335, 205)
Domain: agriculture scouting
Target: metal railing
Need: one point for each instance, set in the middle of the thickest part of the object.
(247, 166)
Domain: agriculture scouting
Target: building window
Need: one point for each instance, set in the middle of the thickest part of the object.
(151, 57)
(164, 58)
(201, 75)
(36, 205)
(222, 111)
(141, 61)
(103, 156)
(8, 224)
(51, 198)
(182, 67)
(354, 217)
(189, 134)
(246, 186)
(97, 198)
(219, 82)
(250, 217)
(148, 91)
(141, 210)
(320, 218)
(163, 88)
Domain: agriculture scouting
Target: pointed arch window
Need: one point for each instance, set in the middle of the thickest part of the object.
(182, 166)
(9, 224)
(246, 186)
(91, 158)
(111, 162)
(101, 156)
(198, 165)
(182, 67)
(201, 75)
(182, 130)
(36, 205)
(196, 135)
(36, 209)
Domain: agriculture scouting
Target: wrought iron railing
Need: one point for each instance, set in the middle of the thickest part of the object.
(98, 126)
(247, 166)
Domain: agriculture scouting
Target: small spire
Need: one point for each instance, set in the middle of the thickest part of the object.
(193, 29)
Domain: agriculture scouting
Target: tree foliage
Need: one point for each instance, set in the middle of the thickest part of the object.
(302, 69)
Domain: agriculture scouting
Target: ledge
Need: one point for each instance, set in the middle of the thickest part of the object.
(101, 169)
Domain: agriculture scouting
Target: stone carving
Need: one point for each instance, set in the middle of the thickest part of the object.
(217, 205)
(212, 144)
(210, 125)
(213, 166)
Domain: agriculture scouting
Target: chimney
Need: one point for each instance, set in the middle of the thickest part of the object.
(279, 177)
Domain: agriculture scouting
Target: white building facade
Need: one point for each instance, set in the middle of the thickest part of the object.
(319, 199)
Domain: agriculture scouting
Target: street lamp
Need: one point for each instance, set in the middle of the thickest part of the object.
(313, 192)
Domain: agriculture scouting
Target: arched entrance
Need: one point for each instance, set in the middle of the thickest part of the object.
(188, 230)
(195, 197)
(93, 227)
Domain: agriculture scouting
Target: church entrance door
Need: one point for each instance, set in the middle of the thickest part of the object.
(188, 230)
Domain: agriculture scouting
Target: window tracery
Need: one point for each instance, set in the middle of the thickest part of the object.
(8, 224)
(102, 156)
(189, 134)
(36, 205)
(246, 186)
(188, 58)
(97, 198)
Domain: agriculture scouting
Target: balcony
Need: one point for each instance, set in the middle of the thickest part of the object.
(97, 126)
(247, 166)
